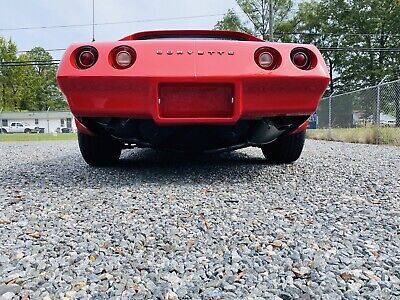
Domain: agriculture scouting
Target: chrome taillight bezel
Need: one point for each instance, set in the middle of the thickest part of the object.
(119, 50)
(83, 50)
(310, 58)
(276, 58)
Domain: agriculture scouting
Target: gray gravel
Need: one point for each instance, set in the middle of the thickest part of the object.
(224, 227)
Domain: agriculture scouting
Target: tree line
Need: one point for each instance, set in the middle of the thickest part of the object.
(359, 38)
(28, 80)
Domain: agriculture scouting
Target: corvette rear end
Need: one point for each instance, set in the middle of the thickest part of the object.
(203, 91)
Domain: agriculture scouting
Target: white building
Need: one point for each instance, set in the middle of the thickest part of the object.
(47, 121)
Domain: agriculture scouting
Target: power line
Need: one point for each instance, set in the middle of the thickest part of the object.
(194, 17)
(29, 63)
(340, 34)
(47, 50)
(111, 23)
(355, 49)
(114, 23)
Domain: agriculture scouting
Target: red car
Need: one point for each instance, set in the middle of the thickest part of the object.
(192, 90)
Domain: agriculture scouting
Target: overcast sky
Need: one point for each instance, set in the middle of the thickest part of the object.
(34, 13)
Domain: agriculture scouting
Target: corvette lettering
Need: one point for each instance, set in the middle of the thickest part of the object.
(189, 52)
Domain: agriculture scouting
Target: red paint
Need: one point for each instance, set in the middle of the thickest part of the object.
(82, 128)
(191, 79)
(301, 128)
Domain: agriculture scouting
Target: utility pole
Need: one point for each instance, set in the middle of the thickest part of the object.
(93, 39)
(48, 120)
(271, 21)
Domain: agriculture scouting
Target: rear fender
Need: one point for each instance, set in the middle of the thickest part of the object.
(301, 128)
(82, 128)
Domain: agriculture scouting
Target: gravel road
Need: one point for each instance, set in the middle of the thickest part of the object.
(223, 227)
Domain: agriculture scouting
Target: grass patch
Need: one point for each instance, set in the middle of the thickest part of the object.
(365, 135)
(27, 137)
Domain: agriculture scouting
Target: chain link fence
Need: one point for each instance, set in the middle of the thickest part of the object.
(375, 106)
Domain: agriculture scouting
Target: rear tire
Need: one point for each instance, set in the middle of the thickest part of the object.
(27, 131)
(285, 149)
(99, 151)
(4, 131)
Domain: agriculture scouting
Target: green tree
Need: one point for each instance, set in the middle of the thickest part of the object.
(8, 76)
(362, 24)
(232, 21)
(29, 83)
(40, 82)
(257, 14)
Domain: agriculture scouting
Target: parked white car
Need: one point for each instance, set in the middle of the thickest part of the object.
(19, 127)
(387, 120)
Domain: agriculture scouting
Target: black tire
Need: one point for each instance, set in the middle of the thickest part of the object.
(286, 149)
(3, 131)
(27, 130)
(99, 151)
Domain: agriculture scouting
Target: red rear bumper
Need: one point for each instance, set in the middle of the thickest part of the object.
(205, 100)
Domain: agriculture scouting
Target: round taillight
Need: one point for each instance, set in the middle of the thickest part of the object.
(267, 58)
(122, 57)
(302, 59)
(86, 57)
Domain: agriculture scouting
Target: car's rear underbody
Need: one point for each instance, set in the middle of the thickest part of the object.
(145, 133)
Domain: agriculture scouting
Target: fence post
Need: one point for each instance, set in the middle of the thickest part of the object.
(378, 106)
(397, 102)
(330, 115)
(1, 121)
(378, 110)
(378, 102)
